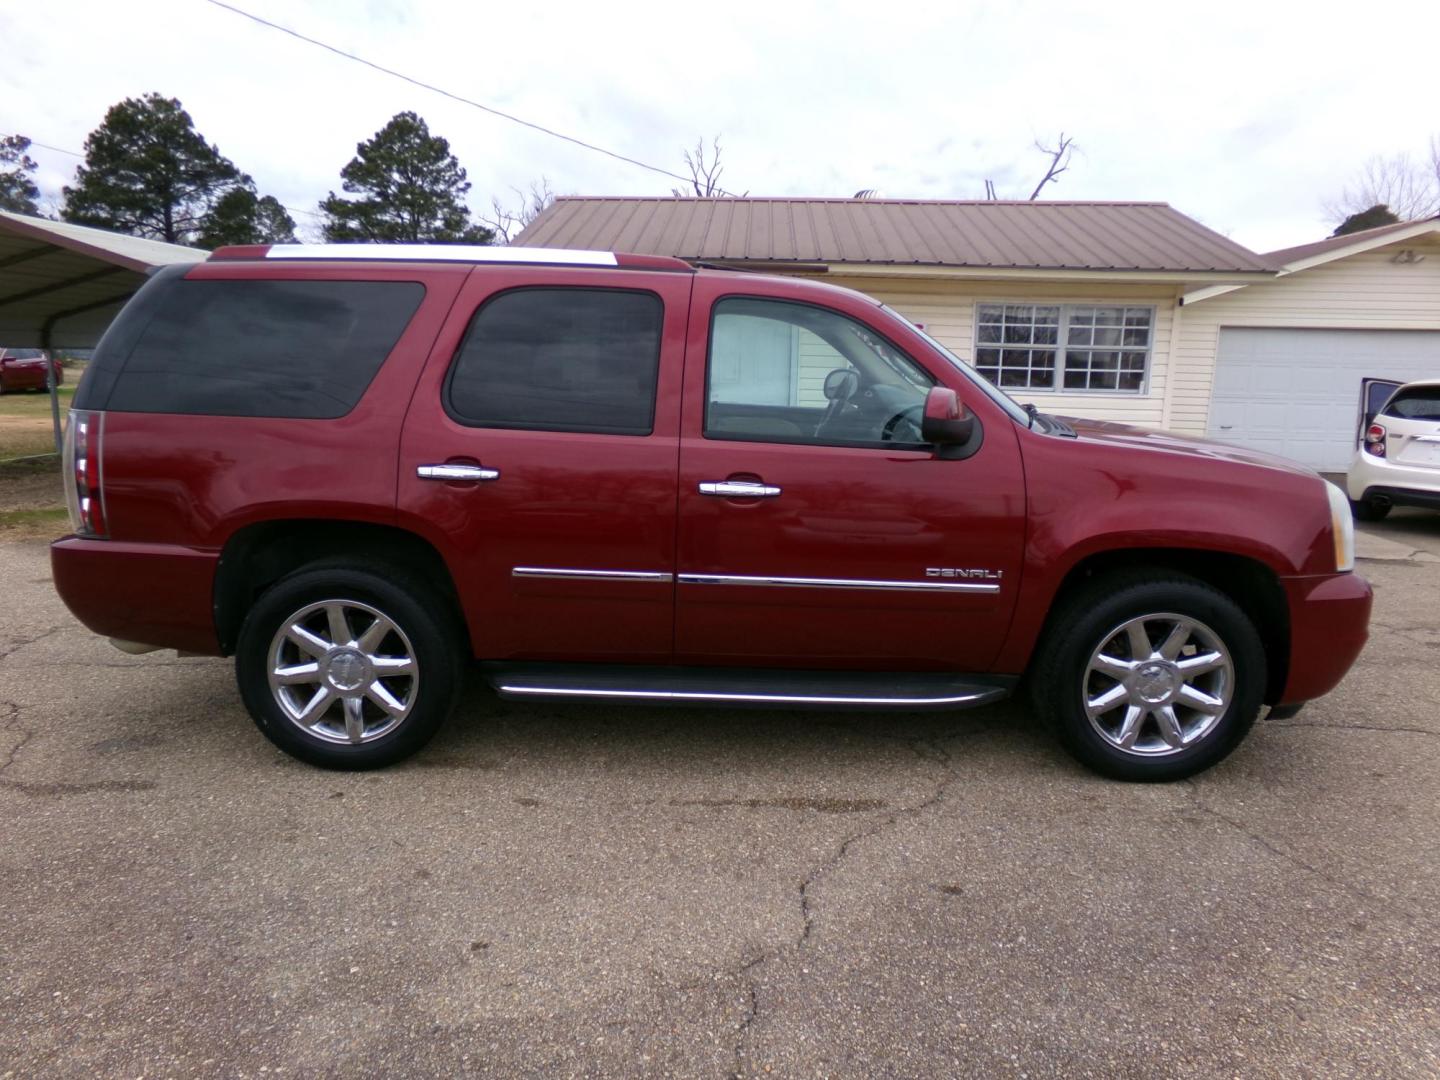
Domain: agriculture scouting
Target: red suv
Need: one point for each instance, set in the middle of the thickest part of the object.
(621, 477)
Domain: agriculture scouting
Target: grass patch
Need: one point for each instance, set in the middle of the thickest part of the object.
(50, 515)
(47, 523)
(32, 403)
(26, 427)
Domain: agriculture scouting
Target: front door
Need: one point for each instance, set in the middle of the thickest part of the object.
(539, 456)
(816, 529)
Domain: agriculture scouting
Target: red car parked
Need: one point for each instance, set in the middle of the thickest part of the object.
(623, 478)
(24, 369)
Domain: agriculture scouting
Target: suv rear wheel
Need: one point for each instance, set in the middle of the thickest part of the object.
(347, 666)
(1149, 678)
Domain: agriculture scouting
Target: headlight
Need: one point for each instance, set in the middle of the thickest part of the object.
(1342, 525)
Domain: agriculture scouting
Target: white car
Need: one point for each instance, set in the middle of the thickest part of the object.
(1397, 461)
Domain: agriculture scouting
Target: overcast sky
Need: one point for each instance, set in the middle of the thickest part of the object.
(1247, 116)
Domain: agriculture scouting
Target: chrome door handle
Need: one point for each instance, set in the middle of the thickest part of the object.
(738, 489)
(456, 472)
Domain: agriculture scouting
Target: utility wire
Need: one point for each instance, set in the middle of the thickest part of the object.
(43, 146)
(453, 96)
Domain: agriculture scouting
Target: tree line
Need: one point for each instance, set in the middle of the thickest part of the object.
(148, 172)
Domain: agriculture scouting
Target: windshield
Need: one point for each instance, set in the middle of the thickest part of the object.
(24, 354)
(993, 392)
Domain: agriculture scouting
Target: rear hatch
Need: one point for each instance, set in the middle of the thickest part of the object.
(1411, 423)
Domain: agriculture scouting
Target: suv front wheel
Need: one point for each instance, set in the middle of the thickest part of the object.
(348, 669)
(1149, 677)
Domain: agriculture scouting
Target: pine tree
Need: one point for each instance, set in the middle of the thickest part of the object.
(148, 172)
(411, 187)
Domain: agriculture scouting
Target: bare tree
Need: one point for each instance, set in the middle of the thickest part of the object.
(508, 221)
(705, 170)
(1060, 155)
(1410, 188)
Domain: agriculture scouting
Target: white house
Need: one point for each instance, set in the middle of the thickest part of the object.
(1121, 311)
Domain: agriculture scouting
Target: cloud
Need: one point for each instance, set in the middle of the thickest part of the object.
(1246, 115)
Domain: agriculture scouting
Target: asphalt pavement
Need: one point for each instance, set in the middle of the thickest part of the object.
(615, 891)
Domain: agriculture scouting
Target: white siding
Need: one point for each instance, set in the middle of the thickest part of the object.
(816, 360)
(947, 311)
(1363, 292)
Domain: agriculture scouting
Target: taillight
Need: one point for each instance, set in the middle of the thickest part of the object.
(83, 496)
(1375, 440)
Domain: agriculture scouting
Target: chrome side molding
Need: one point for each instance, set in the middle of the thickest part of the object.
(565, 573)
(589, 575)
(839, 583)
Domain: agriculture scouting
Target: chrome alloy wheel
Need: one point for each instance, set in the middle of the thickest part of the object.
(1158, 684)
(343, 671)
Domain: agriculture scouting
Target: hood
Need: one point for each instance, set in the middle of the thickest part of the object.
(1167, 442)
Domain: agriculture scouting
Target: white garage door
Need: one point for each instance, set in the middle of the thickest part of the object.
(1297, 392)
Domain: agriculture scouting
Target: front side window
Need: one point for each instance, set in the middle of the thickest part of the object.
(560, 360)
(1064, 347)
(789, 372)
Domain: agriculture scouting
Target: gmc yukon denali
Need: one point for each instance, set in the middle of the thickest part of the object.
(359, 470)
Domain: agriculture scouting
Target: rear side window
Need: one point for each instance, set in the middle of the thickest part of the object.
(560, 360)
(294, 349)
(1417, 403)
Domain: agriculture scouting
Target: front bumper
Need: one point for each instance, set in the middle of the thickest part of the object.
(154, 594)
(1329, 625)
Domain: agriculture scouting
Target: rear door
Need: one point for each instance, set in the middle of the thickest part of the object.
(539, 455)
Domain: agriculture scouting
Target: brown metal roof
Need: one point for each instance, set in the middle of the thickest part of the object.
(1286, 256)
(900, 232)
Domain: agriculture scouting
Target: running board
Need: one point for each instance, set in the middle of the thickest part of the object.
(748, 686)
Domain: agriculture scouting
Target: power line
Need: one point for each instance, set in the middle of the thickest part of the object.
(453, 96)
(45, 146)
(76, 153)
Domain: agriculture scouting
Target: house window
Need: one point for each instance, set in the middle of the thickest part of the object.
(1018, 346)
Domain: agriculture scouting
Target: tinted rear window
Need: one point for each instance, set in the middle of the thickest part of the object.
(22, 354)
(296, 349)
(560, 360)
(1420, 403)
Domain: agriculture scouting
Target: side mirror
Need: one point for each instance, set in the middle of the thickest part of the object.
(946, 423)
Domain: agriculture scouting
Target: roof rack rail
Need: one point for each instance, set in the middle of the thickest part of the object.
(465, 253)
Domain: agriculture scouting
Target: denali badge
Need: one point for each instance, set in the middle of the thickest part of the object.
(950, 571)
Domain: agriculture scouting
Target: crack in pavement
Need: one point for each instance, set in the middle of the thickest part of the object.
(1352, 727)
(16, 646)
(11, 722)
(929, 749)
(1406, 633)
(1291, 858)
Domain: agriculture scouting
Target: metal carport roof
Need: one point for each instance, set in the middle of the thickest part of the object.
(61, 284)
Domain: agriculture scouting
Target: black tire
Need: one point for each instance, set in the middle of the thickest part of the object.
(1369, 509)
(1060, 678)
(426, 629)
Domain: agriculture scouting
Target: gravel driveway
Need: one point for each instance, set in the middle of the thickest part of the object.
(620, 891)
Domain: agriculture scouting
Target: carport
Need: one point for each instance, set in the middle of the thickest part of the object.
(61, 284)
